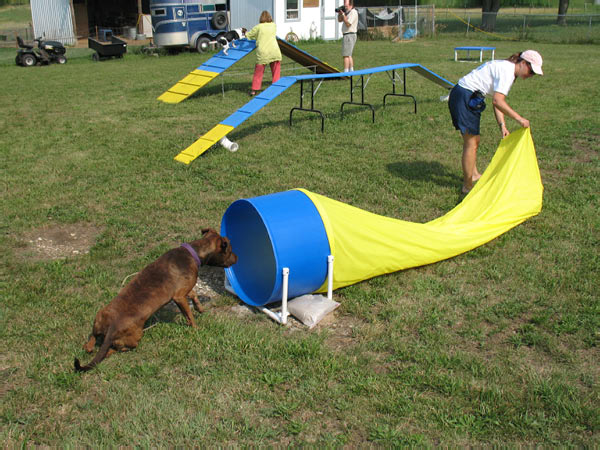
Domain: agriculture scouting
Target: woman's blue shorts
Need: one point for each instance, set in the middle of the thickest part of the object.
(464, 118)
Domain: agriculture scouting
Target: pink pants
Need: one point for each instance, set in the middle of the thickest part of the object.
(259, 71)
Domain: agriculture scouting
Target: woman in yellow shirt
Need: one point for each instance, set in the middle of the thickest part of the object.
(267, 50)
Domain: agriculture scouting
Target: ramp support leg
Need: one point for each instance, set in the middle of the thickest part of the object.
(362, 97)
(404, 94)
(312, 104)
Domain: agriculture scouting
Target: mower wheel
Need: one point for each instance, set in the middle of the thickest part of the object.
(28, 60)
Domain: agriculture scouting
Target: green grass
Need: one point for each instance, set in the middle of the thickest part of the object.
(496, 346)
(15, 15)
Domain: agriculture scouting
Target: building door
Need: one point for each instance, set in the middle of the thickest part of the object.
(330, 28)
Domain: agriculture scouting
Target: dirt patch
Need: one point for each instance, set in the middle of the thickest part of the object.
(586, 146)
(58, 241)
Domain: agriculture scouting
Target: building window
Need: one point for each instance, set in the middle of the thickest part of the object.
(292, 10)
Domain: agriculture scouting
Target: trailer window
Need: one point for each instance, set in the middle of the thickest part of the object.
(208, 7)
(292, 11)
(159, 12)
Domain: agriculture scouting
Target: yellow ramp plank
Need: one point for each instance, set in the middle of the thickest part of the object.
(185, 89)
(187, 86)
(203, 143)
(199, 77)
(170, 97)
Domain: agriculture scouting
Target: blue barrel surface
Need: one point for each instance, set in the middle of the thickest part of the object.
(271, 232)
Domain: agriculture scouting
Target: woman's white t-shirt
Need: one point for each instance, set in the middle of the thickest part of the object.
(490, 77)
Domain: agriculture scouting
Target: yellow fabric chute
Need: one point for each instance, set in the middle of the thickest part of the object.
(365, 245)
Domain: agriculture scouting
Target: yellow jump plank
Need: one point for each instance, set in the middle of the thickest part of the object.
(203, 143)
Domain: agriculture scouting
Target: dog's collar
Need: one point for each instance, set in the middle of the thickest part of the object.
(190, 249)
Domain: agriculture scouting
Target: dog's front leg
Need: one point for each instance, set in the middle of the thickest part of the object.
(184, 307)
(192, 295)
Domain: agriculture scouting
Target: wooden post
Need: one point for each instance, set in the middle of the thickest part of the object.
(140, 19)
(73, 21)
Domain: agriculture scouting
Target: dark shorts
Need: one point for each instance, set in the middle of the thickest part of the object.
(464, 118)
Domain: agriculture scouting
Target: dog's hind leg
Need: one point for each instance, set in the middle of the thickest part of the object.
(90, 344)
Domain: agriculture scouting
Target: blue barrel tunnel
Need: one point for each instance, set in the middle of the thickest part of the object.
(271, 232)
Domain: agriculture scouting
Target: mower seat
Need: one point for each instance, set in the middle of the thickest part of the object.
(23, 44)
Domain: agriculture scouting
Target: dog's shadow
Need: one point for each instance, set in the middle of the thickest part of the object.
(210, 285)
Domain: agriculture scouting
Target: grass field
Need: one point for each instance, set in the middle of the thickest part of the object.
(496, 346)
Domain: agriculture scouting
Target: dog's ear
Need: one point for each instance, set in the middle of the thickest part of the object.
(224, 245)
(207, 230)
(244, 31)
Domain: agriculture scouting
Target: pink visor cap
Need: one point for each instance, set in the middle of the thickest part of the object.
(535, 59)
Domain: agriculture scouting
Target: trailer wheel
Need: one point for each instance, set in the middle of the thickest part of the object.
(202, 44)
(28, 60)
(219, 20)
(219, 40)
(95, 56)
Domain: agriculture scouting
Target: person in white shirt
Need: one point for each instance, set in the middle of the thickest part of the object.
(467, 102)
(349, 29)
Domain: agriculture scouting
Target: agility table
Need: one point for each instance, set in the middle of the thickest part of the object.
(477, 49)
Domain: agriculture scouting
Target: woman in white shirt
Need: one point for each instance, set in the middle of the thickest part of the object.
(467, 102)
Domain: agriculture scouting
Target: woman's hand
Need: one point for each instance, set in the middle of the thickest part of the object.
(523, 122)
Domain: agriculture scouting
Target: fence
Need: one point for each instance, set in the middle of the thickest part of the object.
(573, 28)
(8, 37)
(405, 22)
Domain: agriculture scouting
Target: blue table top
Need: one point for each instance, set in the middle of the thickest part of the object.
(474, 48)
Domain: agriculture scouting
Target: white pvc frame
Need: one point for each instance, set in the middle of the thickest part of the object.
(282, 316)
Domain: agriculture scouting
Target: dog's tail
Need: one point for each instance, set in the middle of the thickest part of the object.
(99, 356)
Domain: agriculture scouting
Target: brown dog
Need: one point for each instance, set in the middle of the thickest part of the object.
(172, 276)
